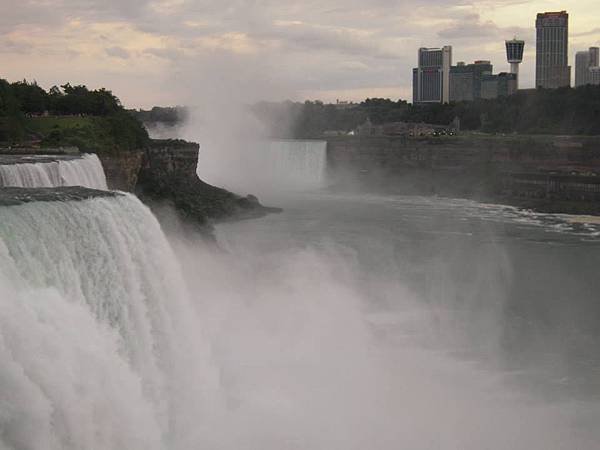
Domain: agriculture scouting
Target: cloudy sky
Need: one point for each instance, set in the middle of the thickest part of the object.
(169, 51)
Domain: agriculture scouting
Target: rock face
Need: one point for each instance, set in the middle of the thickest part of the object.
(39, 151)
(122, 170)
(11, 159)
(550, 173)
(165, 172)
(168, 174)
(12, 196)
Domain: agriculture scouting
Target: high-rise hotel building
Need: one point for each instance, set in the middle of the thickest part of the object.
(431, 79)
(465, 80)
(584, 63)
(552, 68)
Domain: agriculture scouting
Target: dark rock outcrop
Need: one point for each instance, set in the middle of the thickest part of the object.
(12, 196)
(163, 173)
(10, 159)
(32, 150)
(122, 170)
(168, 174)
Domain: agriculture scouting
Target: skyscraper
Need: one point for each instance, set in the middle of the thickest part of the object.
(595, 76)
(502, 85)
(552, 68)
(584, 62)
(594, 56)
(465, 80)
(582, 68)
(514, 55)
(431, 79)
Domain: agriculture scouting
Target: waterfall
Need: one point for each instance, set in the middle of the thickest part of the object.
(99, 344)
(83, 171)
(264, 167)
(299, 164)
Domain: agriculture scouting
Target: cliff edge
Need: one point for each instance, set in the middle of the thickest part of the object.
(168, 174)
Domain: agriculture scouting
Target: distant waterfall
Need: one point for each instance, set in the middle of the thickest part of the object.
(99, 343)
(264, 167)
(297, 164)
(83, 171)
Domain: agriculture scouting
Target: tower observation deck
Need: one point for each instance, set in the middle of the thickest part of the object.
(514, 55)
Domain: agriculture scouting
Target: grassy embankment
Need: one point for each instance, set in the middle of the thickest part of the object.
(95, 134)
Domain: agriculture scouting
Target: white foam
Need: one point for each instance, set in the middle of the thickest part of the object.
(85, 171)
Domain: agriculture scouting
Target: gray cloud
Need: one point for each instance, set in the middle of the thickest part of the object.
(8, 45)
(594, 31)
(469, 27)
(117, 52)
(316, 45)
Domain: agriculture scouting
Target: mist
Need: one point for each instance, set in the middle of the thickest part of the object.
(355, 320)
(318, 348)
(350, 320)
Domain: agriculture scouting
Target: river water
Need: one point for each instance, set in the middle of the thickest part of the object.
(382, 321)
(413, 322)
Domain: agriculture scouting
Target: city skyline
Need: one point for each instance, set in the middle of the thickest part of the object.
(437, 80)
(316, 50)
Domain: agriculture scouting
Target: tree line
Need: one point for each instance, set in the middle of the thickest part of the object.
(63, 100)
(543, 111)
(103, 123)
(169, 116)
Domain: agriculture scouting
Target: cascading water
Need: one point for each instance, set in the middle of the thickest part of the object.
(103, 347)
(98, 341)
(265, 167)
(83, 171)
(300, 164)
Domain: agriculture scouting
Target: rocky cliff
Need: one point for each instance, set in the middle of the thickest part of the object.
(162, 173)
(550, 173)
(168, 174)
(122, 170)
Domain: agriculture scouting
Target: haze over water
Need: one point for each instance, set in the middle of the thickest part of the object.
(409, 322)
(348, 321)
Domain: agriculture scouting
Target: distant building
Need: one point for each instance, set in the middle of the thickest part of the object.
(465, 80)
(594, 56)
(594, 76)
(501, 85)
(409, 129)
(552, 68)
(514, 55)
(461, 83)
(582, 68)
(343, 104)
(508, 83)
(431, 79)
(584, 61)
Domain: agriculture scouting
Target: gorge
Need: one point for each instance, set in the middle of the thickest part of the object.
(117, 331)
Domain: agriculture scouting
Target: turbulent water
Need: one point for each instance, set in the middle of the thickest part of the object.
(85, 171)
(346, 322)
(98, 344)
